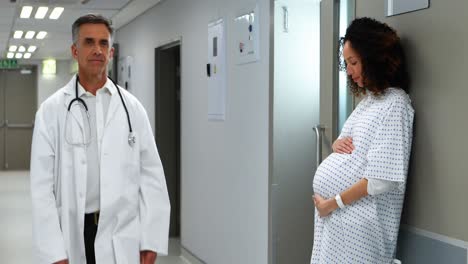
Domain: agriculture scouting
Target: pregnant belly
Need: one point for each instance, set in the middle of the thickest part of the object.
(337, 173)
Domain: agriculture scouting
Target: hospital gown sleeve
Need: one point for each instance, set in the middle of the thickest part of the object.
(389, 153)
(376, 186)
(154, 199)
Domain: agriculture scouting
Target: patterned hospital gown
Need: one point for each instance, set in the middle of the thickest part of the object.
(366, 231)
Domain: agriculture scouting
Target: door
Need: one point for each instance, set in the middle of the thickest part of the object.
(306, 93)
(295, 112)
(167, 59)
(19, 104)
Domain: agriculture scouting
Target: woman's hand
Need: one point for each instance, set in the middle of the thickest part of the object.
(343, 146)
(324, 207)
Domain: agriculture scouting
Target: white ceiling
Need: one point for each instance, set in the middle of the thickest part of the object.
(58, 40)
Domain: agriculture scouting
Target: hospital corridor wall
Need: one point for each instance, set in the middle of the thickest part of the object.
(435, 217)
(224, 163)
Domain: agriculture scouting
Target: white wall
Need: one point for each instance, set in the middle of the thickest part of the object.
(224, 170)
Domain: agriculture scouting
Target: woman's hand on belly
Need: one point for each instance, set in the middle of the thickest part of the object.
(343, 146)
(324, 206)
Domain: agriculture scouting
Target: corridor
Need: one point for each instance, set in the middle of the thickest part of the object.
(15, 222)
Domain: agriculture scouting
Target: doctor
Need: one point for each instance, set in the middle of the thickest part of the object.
(98, 189)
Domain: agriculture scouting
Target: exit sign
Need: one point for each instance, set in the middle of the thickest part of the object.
(8, 64)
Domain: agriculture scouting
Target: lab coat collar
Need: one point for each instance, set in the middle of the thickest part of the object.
(113, 105)
(70, 87)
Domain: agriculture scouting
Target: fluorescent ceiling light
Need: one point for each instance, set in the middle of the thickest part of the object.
(56, 13)
(41, 12)
(18, 34)
(32, 48)
(10, 55)
(19, 55)
(12, 48)
(29, 35)
(27, 55)
(26, 11)
(41, 35)
(21, 49)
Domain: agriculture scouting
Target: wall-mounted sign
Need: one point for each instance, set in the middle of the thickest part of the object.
(49, 67)
(8, 64)
(246, 34)
(396, 7)
(125, 72)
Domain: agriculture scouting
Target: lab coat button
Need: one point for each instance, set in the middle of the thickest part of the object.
(83, 161)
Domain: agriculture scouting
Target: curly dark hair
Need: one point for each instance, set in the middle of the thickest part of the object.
(382, 56)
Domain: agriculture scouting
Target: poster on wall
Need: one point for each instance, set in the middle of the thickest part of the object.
(246, 34)
(125, 72)
(216, 71)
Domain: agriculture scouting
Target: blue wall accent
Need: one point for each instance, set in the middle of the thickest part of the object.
(414, 248)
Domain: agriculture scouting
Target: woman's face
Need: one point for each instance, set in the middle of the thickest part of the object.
(353, 64)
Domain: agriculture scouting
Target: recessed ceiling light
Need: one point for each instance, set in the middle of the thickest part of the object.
(41, 12)
(21, 49)
(56, 13)
(10, 55)
(18, 34)
(19, 55)
(12, 48)
(32, 48)
(29, 35)
(41, 34)
(27, 55)
(26, 11)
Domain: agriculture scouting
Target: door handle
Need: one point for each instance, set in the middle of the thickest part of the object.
(319, 134)
(13, 125)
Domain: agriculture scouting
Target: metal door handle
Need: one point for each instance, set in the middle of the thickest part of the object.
(12, 125)
(318, 132)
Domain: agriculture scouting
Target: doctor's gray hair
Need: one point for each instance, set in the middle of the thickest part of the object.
(91, 19)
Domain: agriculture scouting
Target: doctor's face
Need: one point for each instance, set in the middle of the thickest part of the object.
(353, 64)
(93, 49)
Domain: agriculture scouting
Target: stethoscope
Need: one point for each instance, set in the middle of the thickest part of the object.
(131, 136)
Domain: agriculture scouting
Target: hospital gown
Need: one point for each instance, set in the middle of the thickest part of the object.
(366, 231)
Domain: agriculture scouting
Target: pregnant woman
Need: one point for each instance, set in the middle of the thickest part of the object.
(359, 189)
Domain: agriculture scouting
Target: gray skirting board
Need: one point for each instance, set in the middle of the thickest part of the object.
(417, 246)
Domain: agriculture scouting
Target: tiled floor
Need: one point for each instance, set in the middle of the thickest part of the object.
(15, 222)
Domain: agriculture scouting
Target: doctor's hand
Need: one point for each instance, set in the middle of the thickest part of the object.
(148, 257)
(65, 261)
(343, 146)
(324, 207)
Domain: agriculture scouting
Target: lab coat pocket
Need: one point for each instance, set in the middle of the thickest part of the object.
(126, 250)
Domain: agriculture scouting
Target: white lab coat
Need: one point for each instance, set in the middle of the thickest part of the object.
(134, 205)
